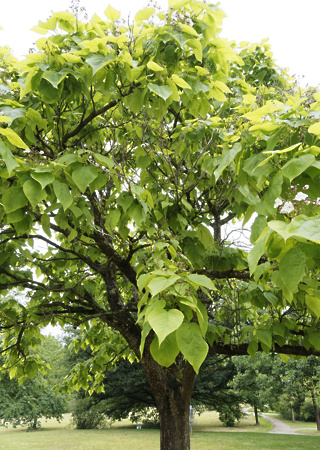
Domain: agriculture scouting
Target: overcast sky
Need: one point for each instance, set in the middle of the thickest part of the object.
(291, 25)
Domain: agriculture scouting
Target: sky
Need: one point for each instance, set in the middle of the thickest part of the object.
(292, 26)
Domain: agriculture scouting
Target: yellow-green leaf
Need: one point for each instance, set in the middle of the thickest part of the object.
(197, 48)
(180, 82)
(248, 99)
(12, 137)
(313, 303)
(315, 129)
(144, 14)
(154, 66)
(187, 29)
(223, 87)
(112, 14)
(5, 119)
(69, 57)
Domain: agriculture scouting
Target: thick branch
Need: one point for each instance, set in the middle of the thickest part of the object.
(242, 349)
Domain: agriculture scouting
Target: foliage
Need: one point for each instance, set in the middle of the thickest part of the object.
(53, 352)
(128, 153)
(27, 404)
(255, 379)
(307, 413)
(127, 394)
(87, 415)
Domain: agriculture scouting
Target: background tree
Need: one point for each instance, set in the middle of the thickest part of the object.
(35, 399)
(256, 381)
(127, 151)
(300, 390)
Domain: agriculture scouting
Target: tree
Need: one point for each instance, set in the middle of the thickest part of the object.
(256, 382)
(26, 404)
(300, 381)
(35, 399)
(128, 150)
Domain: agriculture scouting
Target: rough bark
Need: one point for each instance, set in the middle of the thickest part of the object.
(172, 396)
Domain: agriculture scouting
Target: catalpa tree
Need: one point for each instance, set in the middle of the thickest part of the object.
(128, 151)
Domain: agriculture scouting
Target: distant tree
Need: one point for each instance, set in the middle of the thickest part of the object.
(301, 380)
(30, 402)
(255, 382)
(54, 353)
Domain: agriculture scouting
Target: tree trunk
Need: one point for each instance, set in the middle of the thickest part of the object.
(315, 405)
(174, 423)
(172, 389)
(256, 415)
(292, 414)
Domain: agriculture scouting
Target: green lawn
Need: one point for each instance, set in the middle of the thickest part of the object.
(207, 434)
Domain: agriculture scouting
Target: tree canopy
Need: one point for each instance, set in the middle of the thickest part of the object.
(128, 153)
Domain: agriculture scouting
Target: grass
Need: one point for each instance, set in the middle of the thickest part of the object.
(207, 433)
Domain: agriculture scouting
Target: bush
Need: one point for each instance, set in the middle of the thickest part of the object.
(229, 414)
(88, 416)
(307, 411)
(149, 417)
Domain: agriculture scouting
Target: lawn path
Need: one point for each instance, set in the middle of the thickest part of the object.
(280, 427)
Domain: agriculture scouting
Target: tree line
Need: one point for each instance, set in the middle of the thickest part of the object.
(224, 385)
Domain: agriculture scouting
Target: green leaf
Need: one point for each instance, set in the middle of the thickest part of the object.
(191, 344)
(314, 339)
(265, 336)
(44, 178)
(83, 176)
(112, 220)
(14, 199)
(63, 194)
(166, 353)
(205, 236)
(201, 280)
(187, 29)
(253, 348)
(313, 303)
(301, 226)
(125, 200)
(5, 119)
(165, 322)
(257, 251)
(104, 160)
(9, 160)
(163, 91)
(54, 78)
(227, 159)
(33, 192)
(296, 166)
(98, 61)
(292, 268)
(159, 284)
